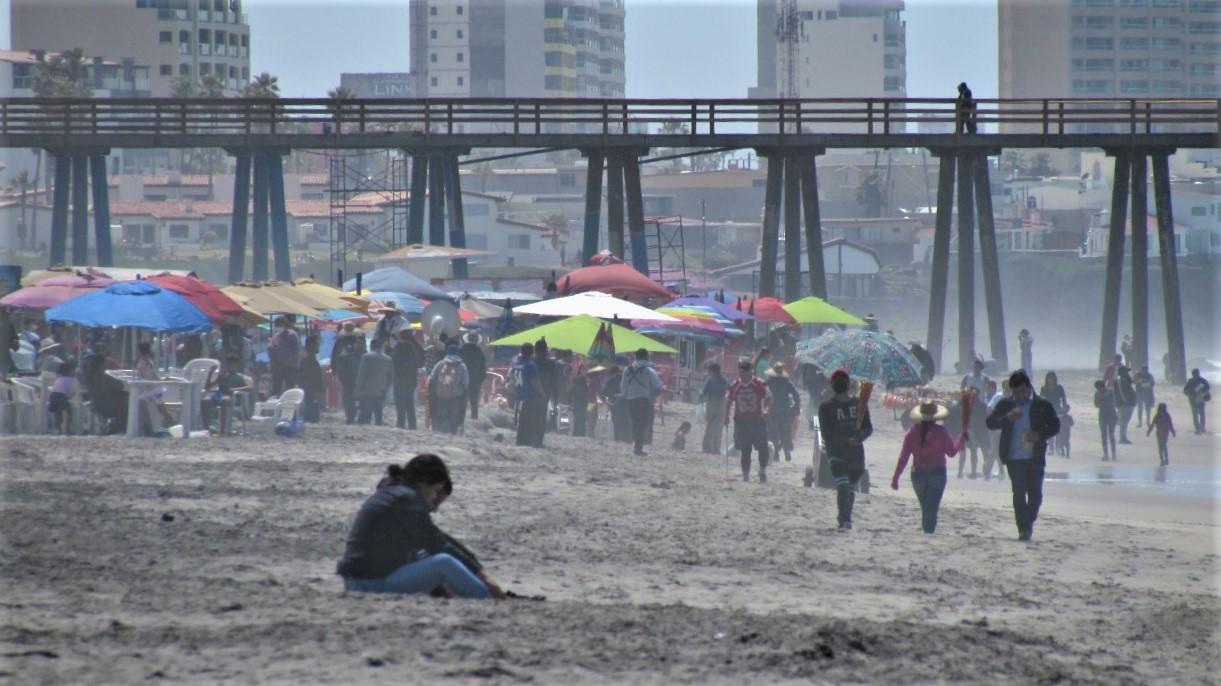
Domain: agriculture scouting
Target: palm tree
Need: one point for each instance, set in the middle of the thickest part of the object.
(338, 96)
(210, 86)
(21, 184)
(262, 86)
(62, 75)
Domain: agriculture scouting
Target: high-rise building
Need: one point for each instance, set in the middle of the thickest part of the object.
(190, 38)
(1109, 48)
(831, 49)
(519, 48)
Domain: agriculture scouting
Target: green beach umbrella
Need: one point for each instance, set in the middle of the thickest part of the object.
(815, 310)
(579, 333)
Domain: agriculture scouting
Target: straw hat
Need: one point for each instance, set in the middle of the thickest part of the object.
(47, 344)
(930, 411)
(777, 370)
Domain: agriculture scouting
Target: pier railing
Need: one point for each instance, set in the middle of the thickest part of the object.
(227, 117)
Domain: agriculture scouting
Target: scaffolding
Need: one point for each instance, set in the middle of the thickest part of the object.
(667, 250)
(357, 184)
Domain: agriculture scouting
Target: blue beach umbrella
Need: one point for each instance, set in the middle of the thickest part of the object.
(138, 304)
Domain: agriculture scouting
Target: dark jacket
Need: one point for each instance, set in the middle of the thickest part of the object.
(1043, 421)
(394, 528)
(407, 357)
(476, 363)
(345, 356)
(837, 422)
(786, 401)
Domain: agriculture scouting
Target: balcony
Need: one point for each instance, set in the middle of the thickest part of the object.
(173, 15)
(205, 49)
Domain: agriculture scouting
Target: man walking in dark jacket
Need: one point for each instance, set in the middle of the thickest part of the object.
(1026, 423)
(407, 357)
(345, 359)
(476, 367)
(844, 430)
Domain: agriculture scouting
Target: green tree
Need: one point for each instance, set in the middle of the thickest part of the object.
(871, 194)
(211, 86)
(1041, 167)
(183, 87)
(262, 86)
(62, 75)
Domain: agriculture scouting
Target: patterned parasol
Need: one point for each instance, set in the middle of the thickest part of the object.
(864, 355)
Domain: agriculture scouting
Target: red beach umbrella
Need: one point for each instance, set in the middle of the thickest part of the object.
(211, 300)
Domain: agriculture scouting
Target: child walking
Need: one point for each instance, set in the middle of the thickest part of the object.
(1165, 429)
(63, 391)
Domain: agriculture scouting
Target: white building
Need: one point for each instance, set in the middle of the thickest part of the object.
(526, 48)
(844, 49)
(852, 271)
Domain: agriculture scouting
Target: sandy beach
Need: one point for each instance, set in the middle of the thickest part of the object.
(213, 560)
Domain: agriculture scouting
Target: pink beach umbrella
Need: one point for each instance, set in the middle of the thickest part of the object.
(55, 291)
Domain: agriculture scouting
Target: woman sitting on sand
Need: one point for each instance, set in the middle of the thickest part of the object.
(394, 546)
(931, 444)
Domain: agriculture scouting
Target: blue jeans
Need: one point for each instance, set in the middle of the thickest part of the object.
(929, 483)
(423, 577)
(1026, 479)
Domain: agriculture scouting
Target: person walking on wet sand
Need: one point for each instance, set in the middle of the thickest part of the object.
(1026, 422)
(930, 444)
(372, 379)
(1198, 394)
(786, 407)
(1108, 417)
(1165, 429)
(748, 402)
(844, 430)
(964, 110)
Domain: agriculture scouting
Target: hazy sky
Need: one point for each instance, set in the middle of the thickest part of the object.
(675, 48)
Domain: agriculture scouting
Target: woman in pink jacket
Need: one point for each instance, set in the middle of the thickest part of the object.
(930, 444)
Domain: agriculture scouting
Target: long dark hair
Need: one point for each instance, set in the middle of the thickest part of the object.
(924, 427)
(424, 469)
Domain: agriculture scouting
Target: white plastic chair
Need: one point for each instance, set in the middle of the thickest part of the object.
(25, 404)
(284, 407)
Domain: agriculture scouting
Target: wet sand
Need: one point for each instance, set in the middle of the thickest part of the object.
(212, 560)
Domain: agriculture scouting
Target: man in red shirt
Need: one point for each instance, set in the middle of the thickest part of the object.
(748, 403)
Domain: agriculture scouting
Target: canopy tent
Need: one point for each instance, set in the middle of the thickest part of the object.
(814, 310)
(403, 302)
(268, 301)
(619, 280)
(331, 296)
(766, 310)
(208, 298)
(114, 273)
(55, 291)
(416, 251)
(578, 334)
(693, 321)
(397, 280)
(593, 303)
(138, 304)
(719, 307)
(499, 298)
(480, 308)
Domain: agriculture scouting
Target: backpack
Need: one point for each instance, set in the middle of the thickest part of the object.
(449, 381)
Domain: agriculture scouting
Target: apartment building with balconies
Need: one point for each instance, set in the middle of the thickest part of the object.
(174, 38)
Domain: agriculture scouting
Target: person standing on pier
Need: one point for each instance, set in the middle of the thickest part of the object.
(964, 110)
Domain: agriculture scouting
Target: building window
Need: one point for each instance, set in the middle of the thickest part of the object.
(519, 241)
(432, 11)
(831, 14)
(1167, 22)
(433, 58)
(477, 241)
(1134, 65)
(1141, 43)
(433, 82)
(459, 9)
(1206, 48)
(1133, 86)
(460, 33)
(1209, 27)
(167, 70)
(1131, 3)
(432, 34)
(245, 73)
(205, 68)
(1173, 44)
(166, 36)
(184, 70)
(179, 231)
(1133, 22)
(460, 58)
(461, 81)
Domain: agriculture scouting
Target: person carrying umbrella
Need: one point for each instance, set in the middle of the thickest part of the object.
(750, 401)
(845, 425)
(930, 444)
